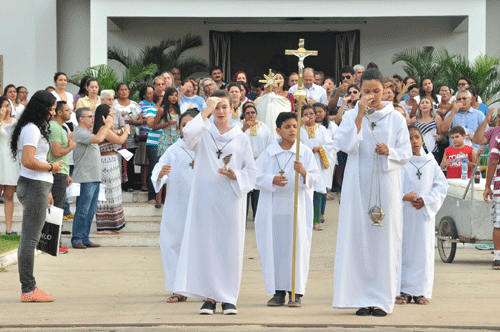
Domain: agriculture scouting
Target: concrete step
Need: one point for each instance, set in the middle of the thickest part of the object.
(133, 224)
(130, 209)
(123, 239)
(133, 197)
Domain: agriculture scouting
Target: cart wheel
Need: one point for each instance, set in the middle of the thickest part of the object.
(446, 248)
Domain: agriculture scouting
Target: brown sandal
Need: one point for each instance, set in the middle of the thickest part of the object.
(403, 298)
(175, 298)
(420, 300)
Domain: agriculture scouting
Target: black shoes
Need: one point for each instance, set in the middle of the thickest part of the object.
(496, 265)
(298, 300)
(229, 309)
(92, 245)
(208, 308)
(276, 301)
(371, 311)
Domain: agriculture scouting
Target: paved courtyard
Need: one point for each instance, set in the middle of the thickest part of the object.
(122, 289)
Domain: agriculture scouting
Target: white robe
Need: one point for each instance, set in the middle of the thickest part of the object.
(178, 183)
(261, 140)
(274, 219)
(368, 258)
(269, 106)
(211, 254)
(417, 272)
(322, 137)
(332, 129)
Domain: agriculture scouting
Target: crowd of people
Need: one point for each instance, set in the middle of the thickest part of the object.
(212, 151)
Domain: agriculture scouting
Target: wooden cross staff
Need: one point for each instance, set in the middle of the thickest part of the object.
(299, 95)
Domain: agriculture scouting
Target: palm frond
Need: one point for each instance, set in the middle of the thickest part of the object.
(118, 54)
(190, 65)
(104, 74)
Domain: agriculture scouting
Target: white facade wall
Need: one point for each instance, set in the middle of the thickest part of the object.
(380, 37)
(28, 43)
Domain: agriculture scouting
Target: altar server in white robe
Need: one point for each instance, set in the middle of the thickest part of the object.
(331, 126)
(274, 220)
(319, 140)
(260, 137)
(368, 259)
(211, 254)
(424, 190)
(175, 169)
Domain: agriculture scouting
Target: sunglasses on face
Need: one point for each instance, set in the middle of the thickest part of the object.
(462, 84)
(347, 77)
(462, 99)
(354, 92)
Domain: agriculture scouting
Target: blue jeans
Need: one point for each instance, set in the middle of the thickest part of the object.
(151, 151)
(86, 208)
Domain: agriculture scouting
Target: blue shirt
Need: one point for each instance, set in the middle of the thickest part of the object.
(469, 120)
(483, 108)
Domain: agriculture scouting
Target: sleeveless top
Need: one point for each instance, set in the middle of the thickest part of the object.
(424, 129)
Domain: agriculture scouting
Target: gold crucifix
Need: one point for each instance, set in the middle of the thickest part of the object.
(301, 53)
(270, 80)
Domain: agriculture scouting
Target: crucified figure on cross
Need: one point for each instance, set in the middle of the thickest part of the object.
(301, 53)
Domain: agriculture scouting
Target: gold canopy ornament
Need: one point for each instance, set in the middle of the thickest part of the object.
(270, 80)
(299, 96)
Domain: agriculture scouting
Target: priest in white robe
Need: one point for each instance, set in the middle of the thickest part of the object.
(274, 220)
(178, 163)
(269, 106)
(211, 254)
(368, 258)
(422, 176)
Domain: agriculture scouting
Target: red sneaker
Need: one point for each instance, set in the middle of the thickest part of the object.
(63, 249)
(37, 296)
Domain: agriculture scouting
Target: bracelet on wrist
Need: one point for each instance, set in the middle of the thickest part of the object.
(51, 168)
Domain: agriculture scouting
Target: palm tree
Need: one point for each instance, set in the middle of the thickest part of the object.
(444, 68)
(135, 76)
(483, 72)
(168, 54)
(421, 63)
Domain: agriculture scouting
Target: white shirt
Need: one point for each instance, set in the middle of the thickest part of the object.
(30, 135)
(315, 92)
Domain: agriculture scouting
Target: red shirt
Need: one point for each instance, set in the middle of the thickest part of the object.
(454, 171)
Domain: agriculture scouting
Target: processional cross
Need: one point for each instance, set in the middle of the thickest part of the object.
(301, 53)
(299, 96)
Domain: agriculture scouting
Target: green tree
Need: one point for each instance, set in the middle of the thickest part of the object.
(135, 76)
(444, 68)
(167, 54)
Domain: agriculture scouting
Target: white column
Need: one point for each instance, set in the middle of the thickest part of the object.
(477, 31)
(98, 34)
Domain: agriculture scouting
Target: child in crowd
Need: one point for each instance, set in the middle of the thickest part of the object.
(211, 253)
(452, 162)
(274, 219)
(175, 169)
(424, 189)
(320, 141)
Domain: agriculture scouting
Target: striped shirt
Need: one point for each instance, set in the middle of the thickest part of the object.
(153, 135)
(495, 155)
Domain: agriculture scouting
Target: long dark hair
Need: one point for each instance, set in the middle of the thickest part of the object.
(83, 82)
(422, 92)
(101, 111)
(166, 105)
(325, 121)
(37, 112)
